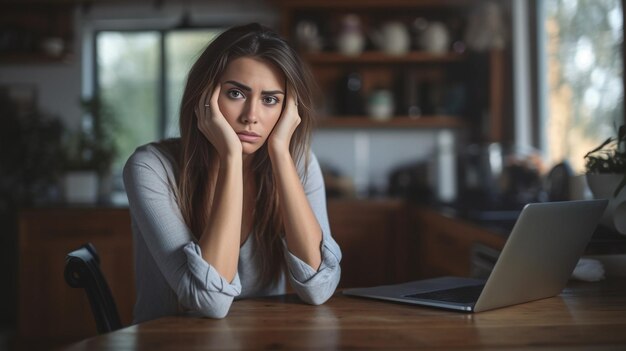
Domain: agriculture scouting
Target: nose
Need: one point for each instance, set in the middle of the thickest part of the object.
(249, 113)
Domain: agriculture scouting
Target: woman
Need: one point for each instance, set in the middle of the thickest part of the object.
(237, 203)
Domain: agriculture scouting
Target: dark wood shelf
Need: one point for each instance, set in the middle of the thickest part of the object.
(34, 58)
(378, 57)
(420, 75)
(425, 122)
(29, 25)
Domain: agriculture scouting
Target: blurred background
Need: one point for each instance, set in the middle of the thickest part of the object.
(433, 116)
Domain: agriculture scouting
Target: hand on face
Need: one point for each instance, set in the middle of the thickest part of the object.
(287, 124)
(214, 126)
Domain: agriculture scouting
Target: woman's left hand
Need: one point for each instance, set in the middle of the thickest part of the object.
(286, 125)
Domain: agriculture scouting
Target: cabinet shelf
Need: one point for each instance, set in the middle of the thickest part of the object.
(34, 58)
(473, 88)
(426, 122)
(383, 58)
(36, 32)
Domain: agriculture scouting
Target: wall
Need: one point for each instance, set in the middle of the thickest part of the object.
(369, 156)
(57, 84)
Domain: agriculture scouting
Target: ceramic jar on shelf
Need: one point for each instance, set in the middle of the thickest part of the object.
(431, 36)
(380, 104)
(350, 39)
(392, 38)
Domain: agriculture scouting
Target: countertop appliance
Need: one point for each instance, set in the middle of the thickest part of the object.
(493, 177)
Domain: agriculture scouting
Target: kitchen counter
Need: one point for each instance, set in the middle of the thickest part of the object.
(500, 222)
(467, 243)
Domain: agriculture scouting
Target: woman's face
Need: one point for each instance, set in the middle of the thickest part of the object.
(251, 100)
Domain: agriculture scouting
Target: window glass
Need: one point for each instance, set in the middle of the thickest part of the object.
(584, 79)
(182, 48)
(128, 76)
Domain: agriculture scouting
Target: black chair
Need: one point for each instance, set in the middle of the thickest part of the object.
(82, 270)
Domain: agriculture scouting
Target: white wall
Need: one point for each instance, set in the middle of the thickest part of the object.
(58, 86)
(369, 156)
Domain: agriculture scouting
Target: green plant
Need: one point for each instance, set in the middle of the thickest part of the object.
(609, 157)
(31, 145)
(91, 147)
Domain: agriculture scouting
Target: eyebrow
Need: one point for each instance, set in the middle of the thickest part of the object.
(247, 88)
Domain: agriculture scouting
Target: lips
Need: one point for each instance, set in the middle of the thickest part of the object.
(248, 136)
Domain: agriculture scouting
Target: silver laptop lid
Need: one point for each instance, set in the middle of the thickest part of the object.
(541, 252)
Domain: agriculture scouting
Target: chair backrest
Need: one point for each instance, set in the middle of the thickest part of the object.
(82, 270)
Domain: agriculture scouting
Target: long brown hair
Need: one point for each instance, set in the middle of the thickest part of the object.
(198, 157)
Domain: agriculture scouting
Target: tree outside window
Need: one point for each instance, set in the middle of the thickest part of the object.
(584, 66)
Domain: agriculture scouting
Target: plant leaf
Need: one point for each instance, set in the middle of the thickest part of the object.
(600, 147)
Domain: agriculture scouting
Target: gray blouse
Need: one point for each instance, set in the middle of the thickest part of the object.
(171, 276)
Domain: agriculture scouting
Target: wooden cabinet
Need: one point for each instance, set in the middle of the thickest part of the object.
(444, 244)
(36, 31)
(455, 88)
(373, 237)
(48, 309)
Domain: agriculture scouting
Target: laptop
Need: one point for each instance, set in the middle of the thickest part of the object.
(535, 263)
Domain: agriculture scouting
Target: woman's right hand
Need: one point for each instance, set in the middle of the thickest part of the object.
(213, 125)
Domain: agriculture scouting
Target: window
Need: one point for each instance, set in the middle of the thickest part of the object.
(581, 65)
(128, 76)
(140, 77)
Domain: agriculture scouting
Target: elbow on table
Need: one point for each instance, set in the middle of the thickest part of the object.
(211, 305)
(317, 295)
(215, 312)
(315, 299)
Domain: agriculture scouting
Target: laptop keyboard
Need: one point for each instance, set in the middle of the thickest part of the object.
(464, 294)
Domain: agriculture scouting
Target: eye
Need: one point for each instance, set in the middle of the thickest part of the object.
(270, 100)
(235, 94)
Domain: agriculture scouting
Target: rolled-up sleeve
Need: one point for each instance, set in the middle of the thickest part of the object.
(157, 218)
(210, 294)
(315, 286)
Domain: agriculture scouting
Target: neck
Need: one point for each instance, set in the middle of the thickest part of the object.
(247, 165)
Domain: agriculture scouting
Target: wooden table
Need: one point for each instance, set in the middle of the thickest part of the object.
(586, 316)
